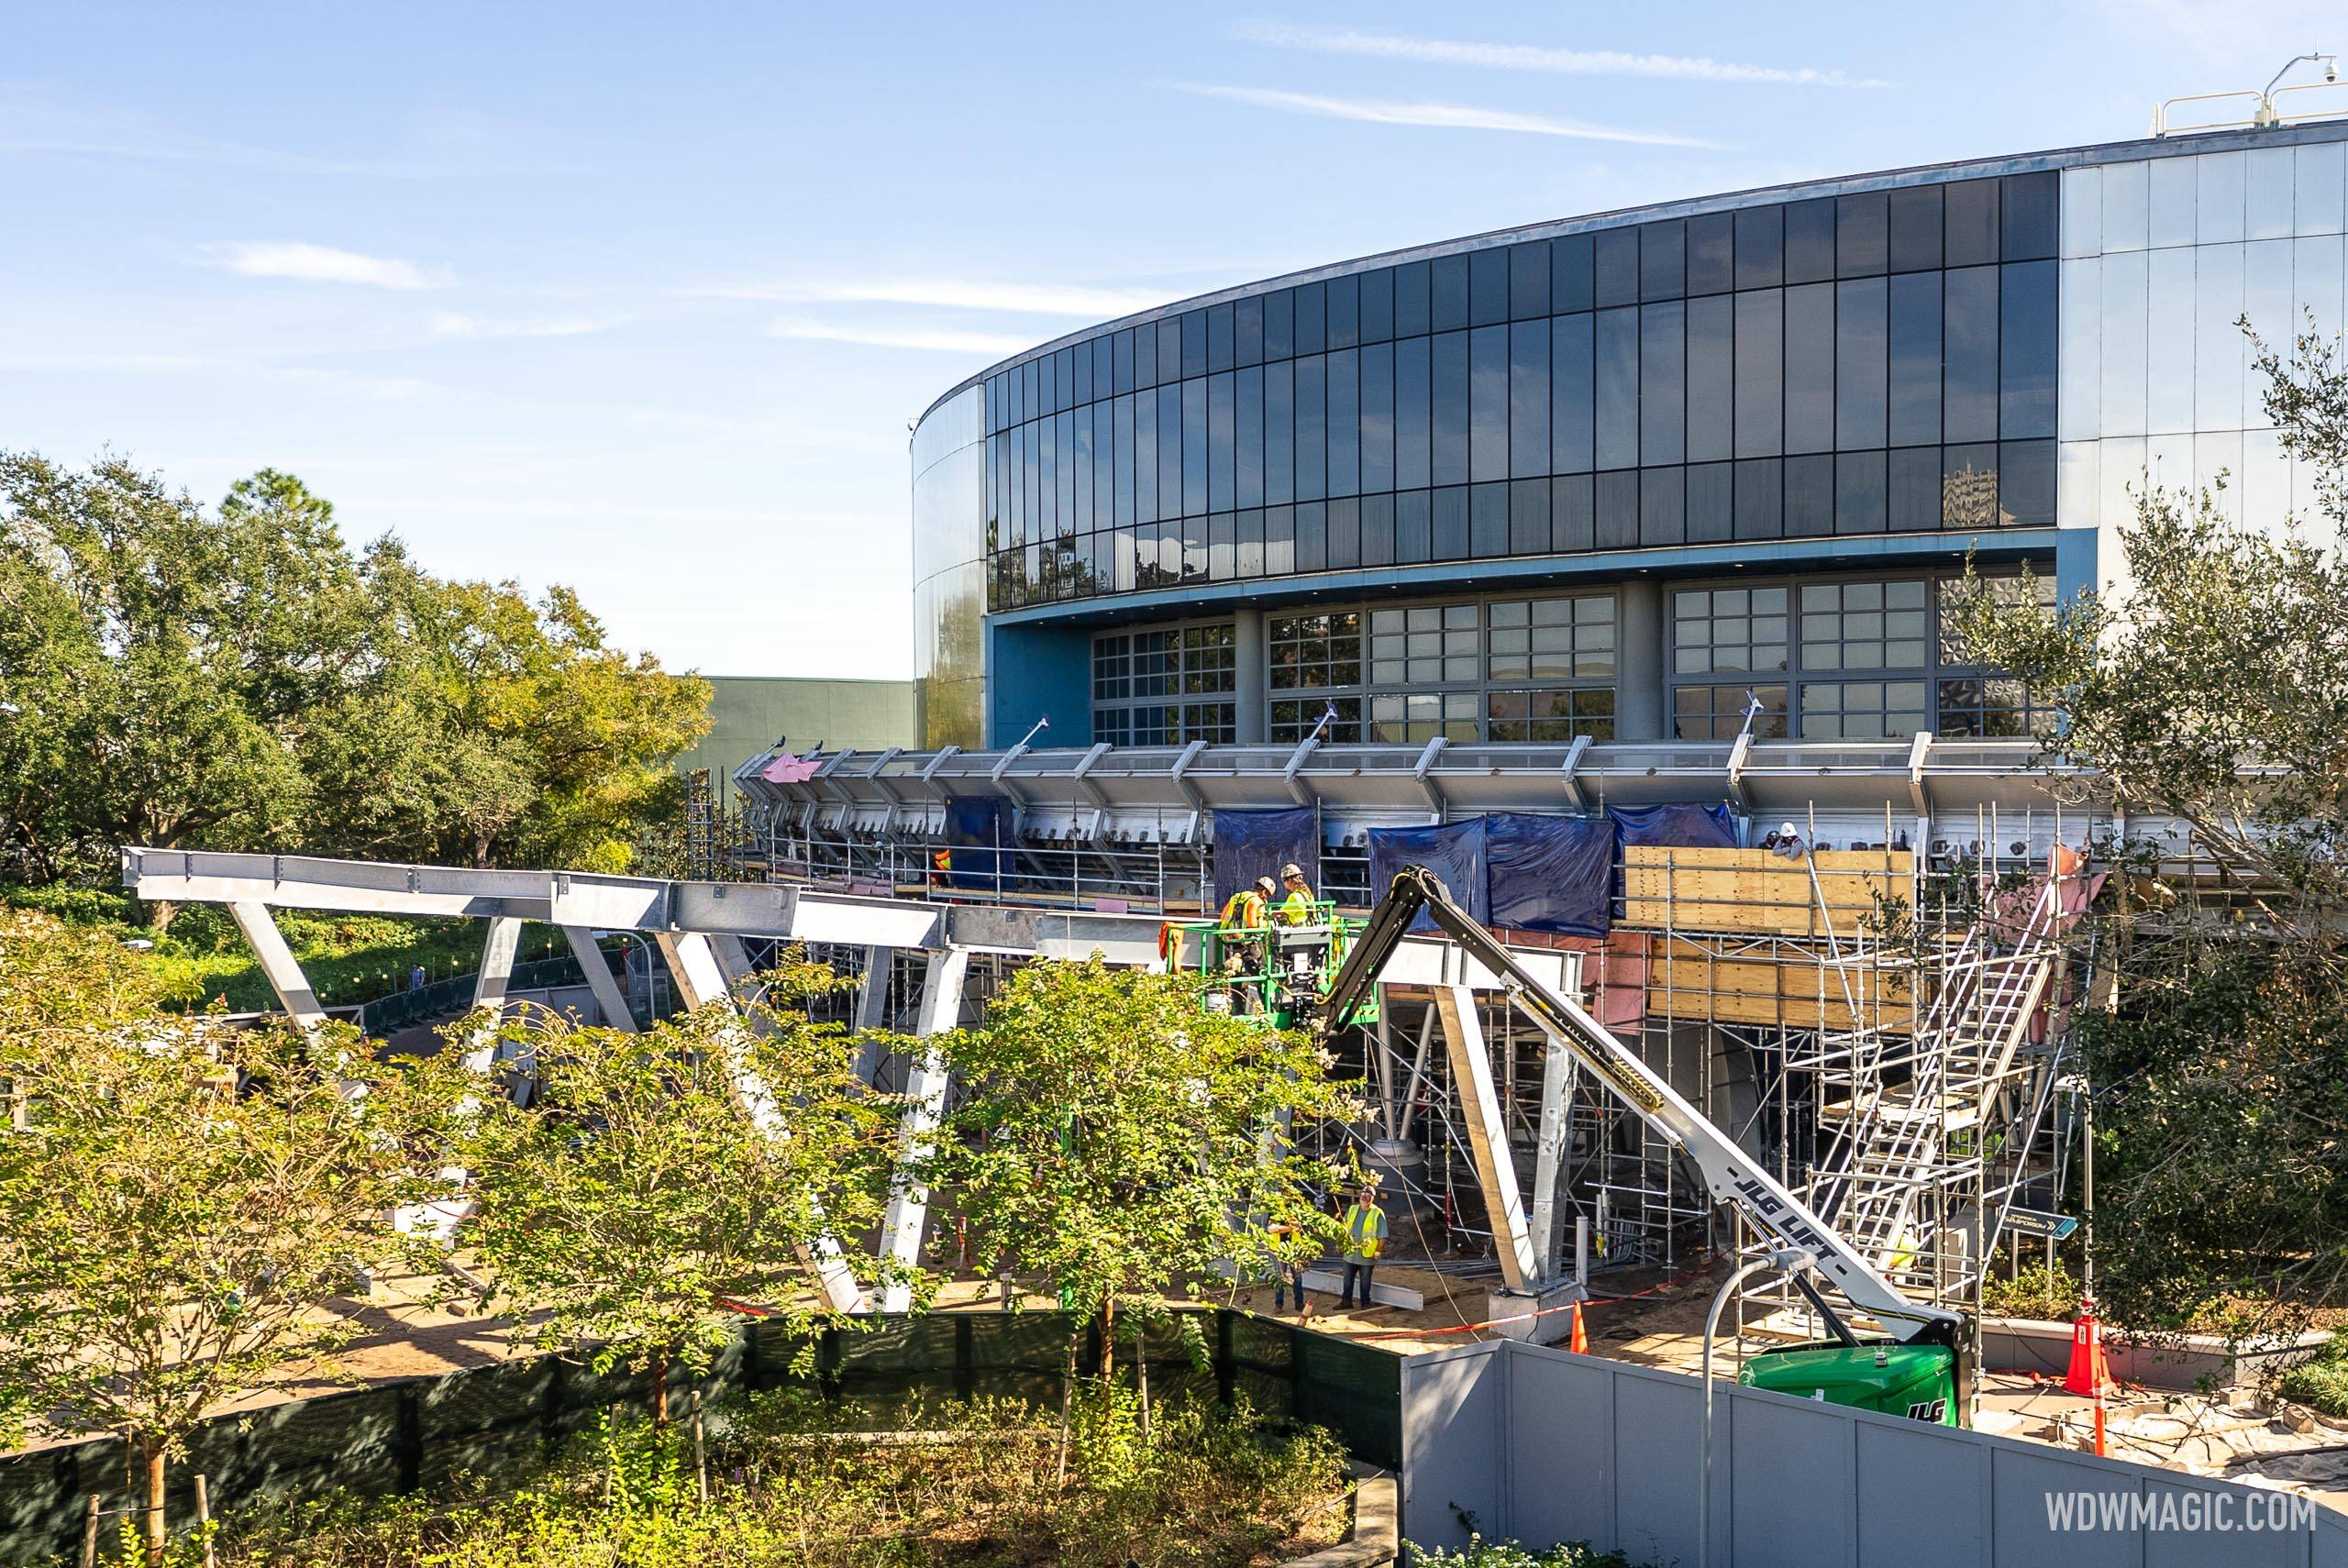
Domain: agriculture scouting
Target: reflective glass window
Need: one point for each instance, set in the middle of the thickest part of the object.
(1717, 712)
(1760, 373)
(1488, 402)
(1248, 558)
(1970, 226)
(1528, 279)
(1451, 524)
(1663, 382)
(1145, 446)
(1063, 379)
(1810, 241)
(1862, 710)
(1344, 301)
(1711, 503)
(1915, 227)
(1913, 328)
(1413, 310)
(1860, 350)
(1617, 508)
(1810, 496)
(1170, 366)
(1869, 625)
(1194, 343)
(1970, 486)
(1618, 388)
(1048, 476)
(1312, 536)
(1663, 260)
(1345, 422)
(1528, 517)
(1760, 498)
(1145, 356)
(1569, 274)
(1377, 305)
(2026, 329)
(1448, 283)
(1760, 248)
(1862, 239)
(1486, 286)
(1279, 540)
(1414, 526)
(1913, 491)
(1991, 707)
(1662, 507)
(1572, 411)
(1279, 324)
(2026, 484)
(1082, 357)
(1311, 318)
(1450, 398)
(1084, 469)
(1969, 353)
(1222, 527)
(1376, 530)
(1712, 253)
(1729, 631)
(1488, 520)
(1858, 492)
(1222, 443)
(1712, 377)
(2027, 223)
(1809, 368)
(1549, 715)
(1247, 329)
(1279, 432)
(1528, 398)
(1615, 277)
(1218, 333)
(1412, 415)
(1378, 417)
(1186, 440)
(1310, 653)
(1311, 427)
(1572, 515)
(1248, 426)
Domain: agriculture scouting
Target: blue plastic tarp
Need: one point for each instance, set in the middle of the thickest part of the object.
(1457, 855)
(1550, 873)
(1676, 827)
(974, 839)
(1249, 844)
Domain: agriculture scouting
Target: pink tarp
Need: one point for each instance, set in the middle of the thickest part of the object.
(787, 769)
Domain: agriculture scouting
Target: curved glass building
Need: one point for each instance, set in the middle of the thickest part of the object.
(1620, 476)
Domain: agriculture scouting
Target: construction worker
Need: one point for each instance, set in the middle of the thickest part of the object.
(1245, 909)
(1297, 907)
(1365, 1240)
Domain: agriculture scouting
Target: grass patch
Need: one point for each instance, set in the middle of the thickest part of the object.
(981, 1488)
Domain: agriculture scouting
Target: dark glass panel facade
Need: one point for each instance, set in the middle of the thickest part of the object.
(1881, 361)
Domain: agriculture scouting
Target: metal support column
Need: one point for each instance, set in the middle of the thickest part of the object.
(872, 1012)
(1479, 1106)
(610, 1000)
(485, 1050)
(277, 962)
(908, 1212)
(1556, 1117)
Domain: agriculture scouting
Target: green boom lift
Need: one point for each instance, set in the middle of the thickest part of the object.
(1919, 1363)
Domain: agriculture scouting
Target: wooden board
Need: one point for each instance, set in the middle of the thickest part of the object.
(1688, 981)
(1753, 892)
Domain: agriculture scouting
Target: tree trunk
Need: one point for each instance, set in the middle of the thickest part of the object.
(150, 1453)
(1141, 1370)
(1067, 1393)
(661, 1389)
(1108, 1336)
(157, 914)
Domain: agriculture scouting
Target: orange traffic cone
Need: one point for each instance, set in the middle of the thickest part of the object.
(2089, 1373)
(1579, 1344)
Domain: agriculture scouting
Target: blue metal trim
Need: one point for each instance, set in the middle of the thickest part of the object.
(1677, 560)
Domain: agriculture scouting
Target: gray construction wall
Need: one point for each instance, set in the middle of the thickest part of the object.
(1521, 1442)
(749, 713)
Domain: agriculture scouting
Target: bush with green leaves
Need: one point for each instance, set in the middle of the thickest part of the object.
(1481, 1553)
(2322, 1382)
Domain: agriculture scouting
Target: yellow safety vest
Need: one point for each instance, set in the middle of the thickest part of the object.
(1365, 1233)
(1297, 909)
(1243, 910)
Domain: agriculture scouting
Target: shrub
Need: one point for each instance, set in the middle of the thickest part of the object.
(2322, 1382)
(2034, 1291)
(1482, 1554)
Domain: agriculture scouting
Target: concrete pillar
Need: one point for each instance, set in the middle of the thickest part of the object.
(908, 1212)
(1479, 1106)
(1253, 677)
(611, 1001)
(278, 963)
(1639, 636)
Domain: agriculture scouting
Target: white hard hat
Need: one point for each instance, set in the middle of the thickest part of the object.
(1787, 829)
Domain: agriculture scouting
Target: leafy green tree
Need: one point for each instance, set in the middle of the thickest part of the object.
(1122, 1144)
(2208, 685)
(241, 679)
(184, 1201)
(643, 1187)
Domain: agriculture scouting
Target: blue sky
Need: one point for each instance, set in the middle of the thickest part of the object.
(641, 298)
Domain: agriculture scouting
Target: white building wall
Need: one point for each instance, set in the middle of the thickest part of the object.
(2161, 258)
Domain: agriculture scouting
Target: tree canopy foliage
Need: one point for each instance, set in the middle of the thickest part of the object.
(242, 679)
(2207, 685)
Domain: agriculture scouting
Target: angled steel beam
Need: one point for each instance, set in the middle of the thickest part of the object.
(908, 1212)
(610, 1000)
(872, 1012)
(1556, 1117)
(1571, 765)
(1479, 1106)
(278, 963)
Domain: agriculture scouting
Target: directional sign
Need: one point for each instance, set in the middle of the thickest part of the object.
(2039, 1222)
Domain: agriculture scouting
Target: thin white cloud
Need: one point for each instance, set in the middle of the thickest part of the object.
(944, 340)
(453, 324)
(1452, 117)
(324, 264)
(1535, 57)
(955, 293)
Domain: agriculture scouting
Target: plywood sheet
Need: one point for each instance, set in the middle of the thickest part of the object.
(1688, 981)
(1753, 892)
